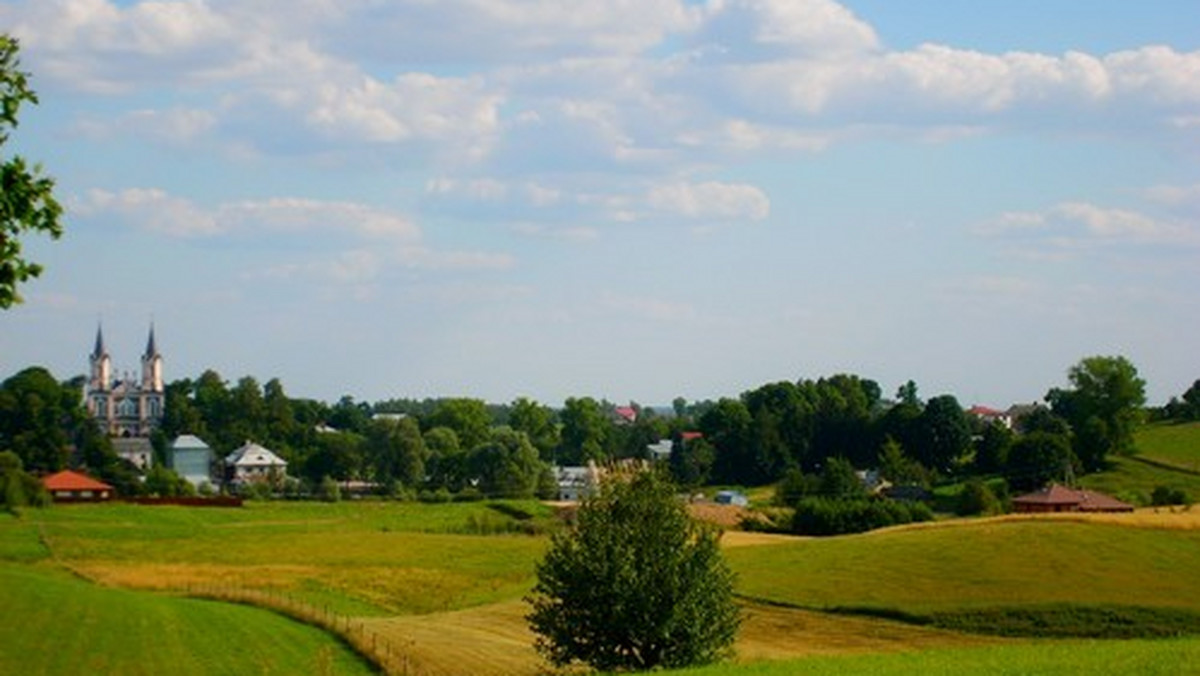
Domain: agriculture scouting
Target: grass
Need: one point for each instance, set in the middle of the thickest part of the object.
(976, 564)
(1175, 444)
(359, 559)
(57, 624)
(1144, 657)
(1135, 479)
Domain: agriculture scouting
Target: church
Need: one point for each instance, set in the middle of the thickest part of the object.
(126, 407)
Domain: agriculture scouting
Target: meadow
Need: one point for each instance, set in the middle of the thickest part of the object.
(436, 589)
(1174, 444)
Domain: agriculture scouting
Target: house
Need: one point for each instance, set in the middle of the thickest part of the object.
(251, 463)
(991, 415)
(625, 415)
(731, 498)
(660, 451)
(1057, 498)
(68, 486)
(191, 459)
(137, 451)
(576, 483)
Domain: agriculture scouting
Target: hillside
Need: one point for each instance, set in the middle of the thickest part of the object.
(1174, 444)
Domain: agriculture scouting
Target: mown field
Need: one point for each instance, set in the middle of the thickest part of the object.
(54, 623)
(436, 589)
(1175, 444)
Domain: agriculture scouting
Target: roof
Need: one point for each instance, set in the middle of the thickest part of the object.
(985, 412)
(253, 455)
(1084, 500)
(688, 436)
(1053, 494)
(188, 441)
(67, 480)
(627, 413)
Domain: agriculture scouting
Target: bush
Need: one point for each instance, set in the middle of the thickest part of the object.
(440, 495)
(329, 490)
(976, 498)
(469, 494)
(825, 516)
(1164, 496)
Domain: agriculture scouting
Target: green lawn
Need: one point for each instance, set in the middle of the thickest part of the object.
(57, 624)
(1168, 657)
(977, 564)
(1171, 444)
(1133, 479)
(369, 558)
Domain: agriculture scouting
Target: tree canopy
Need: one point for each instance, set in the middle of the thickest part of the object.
(27, 202)
(636, 584)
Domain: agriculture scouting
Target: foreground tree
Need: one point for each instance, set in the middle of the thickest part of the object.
(27, 201)
(635, 585)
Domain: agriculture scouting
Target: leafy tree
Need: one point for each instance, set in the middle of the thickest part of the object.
(27, 202)
(336, 454)
(469, 418)
(838, 480)
(19, 488)
(898, 468)
(38, 417)
(991, 448)
(586, 432)
(726, 425)
(166, 483)
(396, 451)
(635, 585)
(691, 461)
(977, 498)
(1191, 401)
(1038, 458)
(537, 421)
(1104, 407)
(507, 466)
(447, 466)
(944, 433)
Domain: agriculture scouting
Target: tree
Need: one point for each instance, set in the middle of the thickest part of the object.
(27, 202)
(537, 421)
(586, 432)
(1104, 407)
(635, 584)
(943, 435)
(1037, 458)
(396, 451)
(1191, 400)
(469, 418)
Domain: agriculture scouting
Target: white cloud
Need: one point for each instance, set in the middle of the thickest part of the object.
(151, 209)
(1080, 225)
(711, 201)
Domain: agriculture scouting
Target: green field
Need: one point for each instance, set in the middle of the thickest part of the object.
(428, 592)
(1175, 444)
(57, 624)
(975, 564)
(1144, 658)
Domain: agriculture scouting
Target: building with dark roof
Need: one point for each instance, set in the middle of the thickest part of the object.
(1058, 498)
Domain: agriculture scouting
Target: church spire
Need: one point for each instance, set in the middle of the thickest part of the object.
(99, 350)
(151, 348)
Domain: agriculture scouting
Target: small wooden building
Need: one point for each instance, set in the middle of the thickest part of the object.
(68, 486)
(1057, 498)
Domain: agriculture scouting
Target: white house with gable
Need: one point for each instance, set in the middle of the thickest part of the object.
(252, 462)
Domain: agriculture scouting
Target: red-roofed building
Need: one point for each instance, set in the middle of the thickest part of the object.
(1056, 498)
(625, 415)
(68, 486)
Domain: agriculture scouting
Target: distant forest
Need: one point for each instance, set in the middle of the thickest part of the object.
(451, 445)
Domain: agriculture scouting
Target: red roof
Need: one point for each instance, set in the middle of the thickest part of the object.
(67, 480)
(1053, 494)
(688, 436)
(1083, 500)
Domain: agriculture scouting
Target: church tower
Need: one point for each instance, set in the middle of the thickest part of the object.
(152, 379)
(101, 380)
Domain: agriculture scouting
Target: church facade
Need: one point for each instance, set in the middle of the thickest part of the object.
(125, 406)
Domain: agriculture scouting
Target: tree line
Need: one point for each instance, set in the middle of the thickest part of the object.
(759, 437)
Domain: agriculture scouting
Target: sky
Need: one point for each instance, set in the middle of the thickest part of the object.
(626, 199)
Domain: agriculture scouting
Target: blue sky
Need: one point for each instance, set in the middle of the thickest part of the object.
(634, 200)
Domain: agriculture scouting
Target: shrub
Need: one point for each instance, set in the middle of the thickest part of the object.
(976, 498)
(825, 516)
(1163, 496)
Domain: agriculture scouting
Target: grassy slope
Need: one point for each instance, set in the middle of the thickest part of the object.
(977, 564)
(360, 559)
(1145, 657)
(54, 623)
(1171, 444)
(1132, 477)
